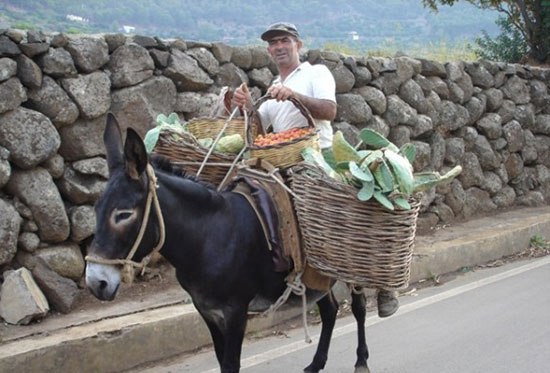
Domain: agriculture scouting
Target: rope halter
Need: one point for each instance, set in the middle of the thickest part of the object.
(128, 265)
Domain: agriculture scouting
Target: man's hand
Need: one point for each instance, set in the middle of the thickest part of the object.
(280, 92)
(242, 98)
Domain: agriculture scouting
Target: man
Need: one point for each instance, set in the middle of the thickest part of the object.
(315, 88)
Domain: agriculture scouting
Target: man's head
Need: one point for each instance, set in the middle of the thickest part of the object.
(284, 43)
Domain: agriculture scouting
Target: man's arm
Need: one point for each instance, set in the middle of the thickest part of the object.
(319, 108)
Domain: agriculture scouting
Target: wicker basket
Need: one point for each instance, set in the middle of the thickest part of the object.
(361, 243)
(203, 128)
(287, 154)
(183, 150)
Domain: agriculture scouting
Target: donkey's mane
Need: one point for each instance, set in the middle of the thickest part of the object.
(164, 164)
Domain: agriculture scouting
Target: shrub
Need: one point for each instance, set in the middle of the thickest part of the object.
(509, 46)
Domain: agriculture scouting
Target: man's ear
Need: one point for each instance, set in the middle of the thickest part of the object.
(134, 154)
(112, 138)
(299, 44)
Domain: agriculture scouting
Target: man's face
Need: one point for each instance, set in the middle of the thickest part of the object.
(284, 50)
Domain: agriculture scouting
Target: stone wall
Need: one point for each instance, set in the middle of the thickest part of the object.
(55, 90)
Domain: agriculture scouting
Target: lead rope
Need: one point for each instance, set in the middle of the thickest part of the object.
(297, 287)
(128, 264)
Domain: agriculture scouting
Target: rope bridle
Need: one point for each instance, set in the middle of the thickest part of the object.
(128, 265)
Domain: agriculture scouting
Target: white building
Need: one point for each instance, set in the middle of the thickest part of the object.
(354, 35)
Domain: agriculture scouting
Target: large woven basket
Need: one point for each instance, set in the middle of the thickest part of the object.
(183, 150)
(203, 128)
(361, 243)
(287, 154)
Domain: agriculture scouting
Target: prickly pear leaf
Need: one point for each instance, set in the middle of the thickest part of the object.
(342, 166)
(384, 177)
(373, 156)
(364, 153)
(409, 151)
(402, 171)
(424, 181)
(151, 138)
(384, 201)
(376, 140)
(402, 203)
(361, 174)
(366, 191)
(342, 150)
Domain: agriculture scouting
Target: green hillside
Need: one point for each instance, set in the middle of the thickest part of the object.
(398, 23)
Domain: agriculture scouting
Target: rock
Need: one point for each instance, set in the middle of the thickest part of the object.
(529, 152)
(242, 58)
(480, 76)
(8, 68)
(363, 76)
(412, 94)
(143, 41)
(82, 139)
(222, 52)
(58, 63)
(438, 149)
(352, 108)
(374, 97)
(35, 36)
(139, 106)
(454, 150)
(525, 115)
(424, 126)
(114, 41)
(492, 183)
(506, 110)
(65, 259)
(378, 124)
(129, 65)
(231, 76)
(206, 60)
(423, 156)
(477, 201)
(494, 99)
(516, 90)
(160, 58)
(91, 92)
(433, 68)
(484, 152)
(178, 44)
(455, 70)
(514, 166)
(260, 57)
(456, 197)
(82, 222)
(400, 135)
(59, 40)
(38, 191)
(399, 112)
(542, 124)
(472, 174)
(5, 170)
(490, 125)
(505, 197)
(456, 94)
(452, 116)
(261, 78)
(185, 72)
(92, 166)
(444, 212)
(51, 100)
(89, 53)
(427, 221)
(476, 108)
(28, 72)
(8, 48)
(350, 132)
(531, 199)
(539, 93)
(439, 87)
(345, 80)
(387, 82)
(466, 85)
(424, 83)
(79, 188)
(21, 300)
(10, 223)
(33, 49)
(513, 133)
(28, 241)
(60, 292)
(29, 136)
(12, 94)
(188, 102)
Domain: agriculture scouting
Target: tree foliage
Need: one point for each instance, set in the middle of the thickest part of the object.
(530, 17)
(509, 46)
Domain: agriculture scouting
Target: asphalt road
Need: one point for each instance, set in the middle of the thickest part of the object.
(489, 320)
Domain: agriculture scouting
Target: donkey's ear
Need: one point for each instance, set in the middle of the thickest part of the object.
(135, 154)
(112, 138)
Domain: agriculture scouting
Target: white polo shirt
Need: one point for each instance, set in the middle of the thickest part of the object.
(309, 80)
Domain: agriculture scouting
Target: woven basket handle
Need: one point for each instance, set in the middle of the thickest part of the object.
(304, 110)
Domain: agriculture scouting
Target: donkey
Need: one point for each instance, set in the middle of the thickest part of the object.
(214, 240)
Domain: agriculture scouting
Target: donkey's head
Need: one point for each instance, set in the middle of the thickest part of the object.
(119, 211)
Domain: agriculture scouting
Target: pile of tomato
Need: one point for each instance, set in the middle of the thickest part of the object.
(281, 137)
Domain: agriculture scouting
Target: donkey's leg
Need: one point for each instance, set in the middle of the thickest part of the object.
(328, 308)
(217, 339)
(235, 325)
(359, 309)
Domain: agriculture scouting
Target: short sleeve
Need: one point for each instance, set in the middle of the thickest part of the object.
(323, 84)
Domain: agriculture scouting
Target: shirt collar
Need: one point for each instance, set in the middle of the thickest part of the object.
(302, 66)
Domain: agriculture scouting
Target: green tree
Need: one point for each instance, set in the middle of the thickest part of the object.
(509, 46)
(530, 17)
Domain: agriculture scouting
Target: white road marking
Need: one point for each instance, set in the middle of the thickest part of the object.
(372, 320)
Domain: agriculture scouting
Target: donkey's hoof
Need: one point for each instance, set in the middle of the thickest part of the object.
(362, 369)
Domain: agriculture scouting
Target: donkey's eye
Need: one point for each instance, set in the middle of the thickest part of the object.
(123, 216)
